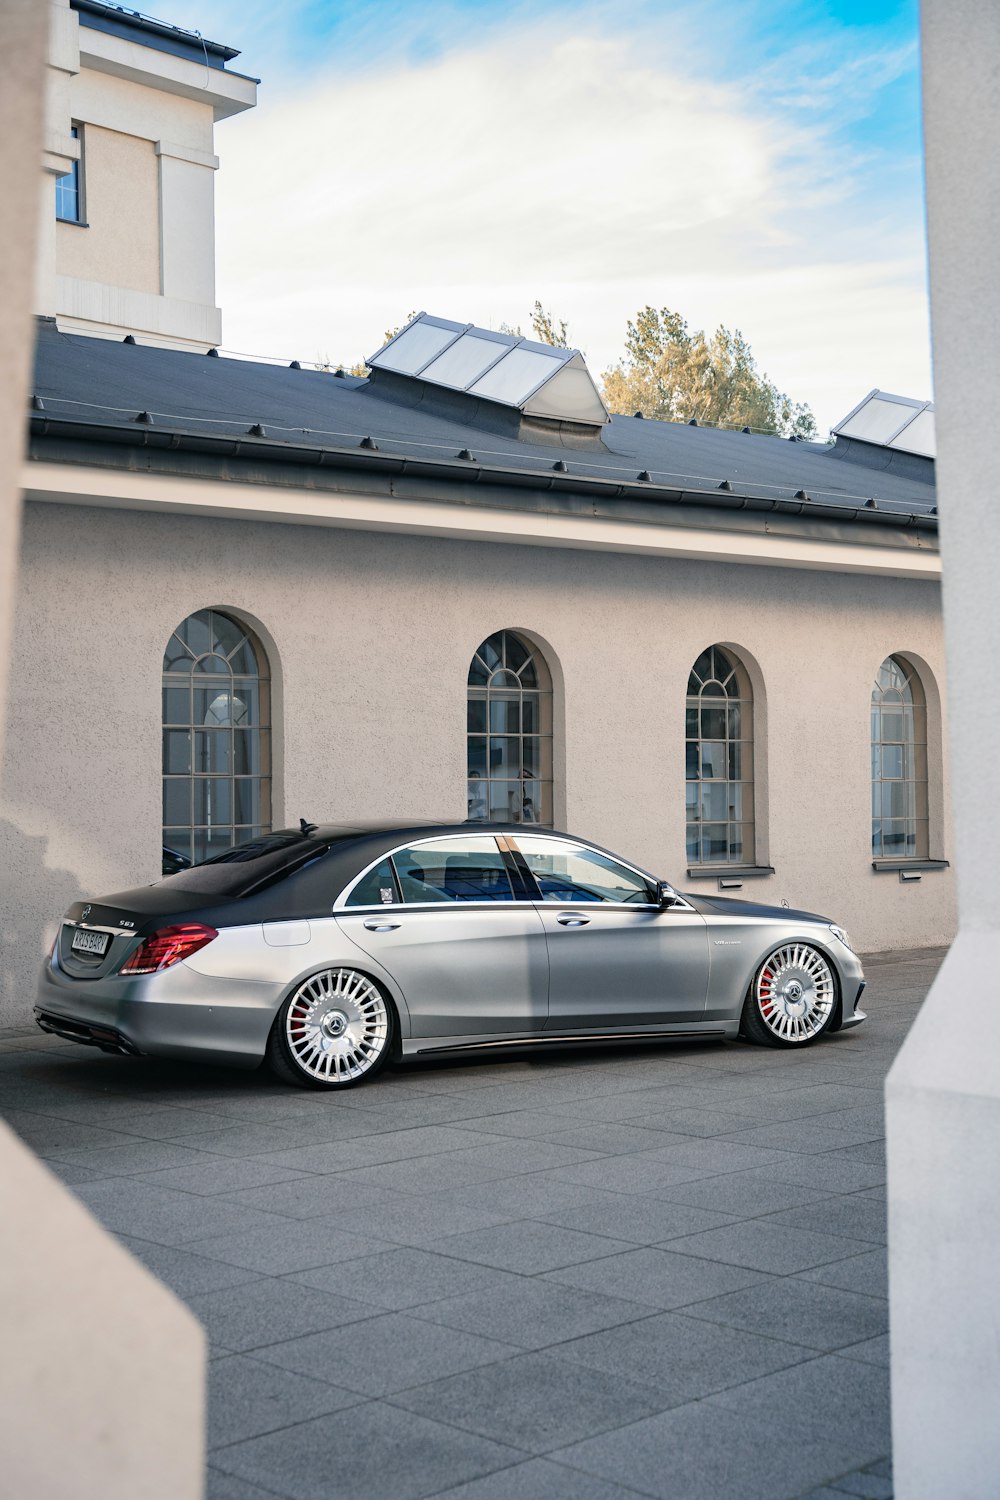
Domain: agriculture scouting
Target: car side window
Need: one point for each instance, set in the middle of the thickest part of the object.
(571, 872)
(458, 869)
(377, 888)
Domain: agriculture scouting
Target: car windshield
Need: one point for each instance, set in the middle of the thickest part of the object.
(236, 871)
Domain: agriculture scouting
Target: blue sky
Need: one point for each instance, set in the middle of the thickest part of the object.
(751, 164)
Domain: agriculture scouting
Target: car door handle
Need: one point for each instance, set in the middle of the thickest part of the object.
(374, 925)
(567, 919)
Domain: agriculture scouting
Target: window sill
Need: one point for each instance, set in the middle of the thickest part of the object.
(890, 866)
(725, 872)
(76, 223)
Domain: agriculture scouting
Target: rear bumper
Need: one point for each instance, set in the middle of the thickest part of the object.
(178, 1013)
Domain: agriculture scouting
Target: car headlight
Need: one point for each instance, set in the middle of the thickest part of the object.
(839, 932)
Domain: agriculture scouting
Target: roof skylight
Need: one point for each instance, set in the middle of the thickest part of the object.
(888, 421)
(553, 385)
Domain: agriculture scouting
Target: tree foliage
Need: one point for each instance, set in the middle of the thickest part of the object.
(675, 373)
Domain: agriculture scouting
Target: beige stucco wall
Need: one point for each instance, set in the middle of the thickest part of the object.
(120, 244)
(370, 639)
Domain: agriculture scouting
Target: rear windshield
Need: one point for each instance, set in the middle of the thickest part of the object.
(237, 871)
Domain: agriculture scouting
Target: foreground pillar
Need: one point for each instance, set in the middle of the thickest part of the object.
(943, 1092)
(102, 1370)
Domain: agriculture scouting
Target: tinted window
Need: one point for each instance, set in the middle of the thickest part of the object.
(569, 872)
(236, 871)
(377, 888)
(459, 869)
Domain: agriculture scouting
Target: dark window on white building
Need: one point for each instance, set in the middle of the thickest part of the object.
(719, 774)
(216, 737)
(509, 754)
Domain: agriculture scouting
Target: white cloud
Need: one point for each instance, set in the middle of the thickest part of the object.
(570, 168)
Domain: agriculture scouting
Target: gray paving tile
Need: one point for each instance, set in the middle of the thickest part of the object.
(278, 1246)
(855, 1218)
(829, 1394)
(404, 1277)
(188, 1275)
(533, 1313)
(245, 1139)
(537, 1479)
(803, 1312)
(704, 1120)
(208, 1175)
(871, 1352)
(247, 1398)
(765, 1246)
(680, 1356)
(644, 1221)
(132, 1160)
(162, 1215)
(528, 1246)
(712, 1155)
(350, 1450)
(691, 1453)
(631, 1174)
(375, 1149)
(742, 1195)
(609, 1137)
(529, 1197)
(867, 1274)
(303, 1195)
(429, 1174)
(219, 1486)
(48, 1136)
(272, 1311)
(386, 1354)
(409, 1220)
(868, 1486)
(827, 1174)
(542, 1402)
(656, 1278)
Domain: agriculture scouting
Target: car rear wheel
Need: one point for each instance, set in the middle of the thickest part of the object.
(333, 1032)
(792, 1000)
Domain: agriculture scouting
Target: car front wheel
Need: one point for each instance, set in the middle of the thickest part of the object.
(792, 1000)
(334, 1031)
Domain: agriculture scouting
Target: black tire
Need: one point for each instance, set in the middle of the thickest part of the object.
(792, 1000)
(336, 1030)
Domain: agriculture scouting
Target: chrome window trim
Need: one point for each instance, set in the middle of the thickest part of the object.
(503, 841)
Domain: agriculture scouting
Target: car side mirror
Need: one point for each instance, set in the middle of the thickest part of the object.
(666, 895)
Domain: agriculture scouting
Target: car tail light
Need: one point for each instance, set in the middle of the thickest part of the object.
(168, 946)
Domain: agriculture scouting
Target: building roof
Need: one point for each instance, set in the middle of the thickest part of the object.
(91, 391)
(133, 26)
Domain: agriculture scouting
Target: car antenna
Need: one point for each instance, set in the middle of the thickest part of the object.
(305, 827)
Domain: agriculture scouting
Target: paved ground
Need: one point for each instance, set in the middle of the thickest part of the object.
(585, 1277)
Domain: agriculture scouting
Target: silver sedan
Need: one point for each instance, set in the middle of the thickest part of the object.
(328, 950)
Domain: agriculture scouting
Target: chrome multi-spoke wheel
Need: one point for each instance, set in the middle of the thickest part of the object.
(793, 997)
(333, 1031)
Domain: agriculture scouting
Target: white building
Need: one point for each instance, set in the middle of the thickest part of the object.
(250, 593)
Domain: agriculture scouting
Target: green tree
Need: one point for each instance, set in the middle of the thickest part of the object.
(547, 330)
(675, 373)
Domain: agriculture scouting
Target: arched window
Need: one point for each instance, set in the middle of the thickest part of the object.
(899, 763)
(719, 790)
(509, 733)
(216, 737)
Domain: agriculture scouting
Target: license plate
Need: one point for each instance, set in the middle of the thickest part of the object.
(90, 942)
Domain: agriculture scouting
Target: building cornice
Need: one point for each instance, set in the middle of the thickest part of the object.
(252, 479)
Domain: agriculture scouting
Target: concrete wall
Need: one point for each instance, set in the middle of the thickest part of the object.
(943, 1092)
(370, 639)
(120, 243)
